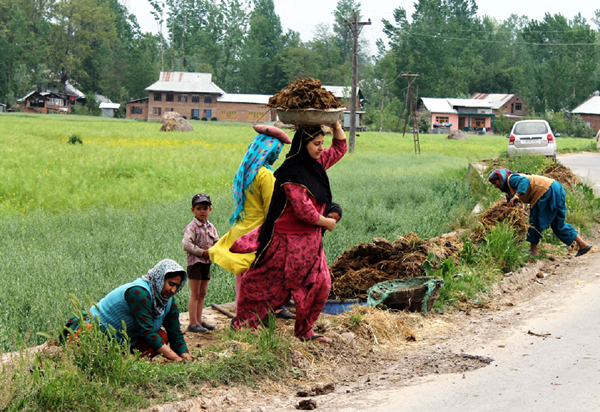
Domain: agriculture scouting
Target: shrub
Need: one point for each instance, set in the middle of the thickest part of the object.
(204, 119)
(74, 139)
(214, 119)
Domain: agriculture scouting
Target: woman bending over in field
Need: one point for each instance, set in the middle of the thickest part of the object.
(548, 208)
(146, 305)
(290, 261)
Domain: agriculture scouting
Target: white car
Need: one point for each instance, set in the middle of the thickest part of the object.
(532, 137)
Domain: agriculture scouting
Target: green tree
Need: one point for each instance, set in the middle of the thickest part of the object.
(260, 50)
(563, 62)
(79, 26)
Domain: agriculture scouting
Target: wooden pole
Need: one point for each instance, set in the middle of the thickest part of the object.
(355, 24)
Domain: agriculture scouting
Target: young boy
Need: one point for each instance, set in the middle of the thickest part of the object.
(198, 237)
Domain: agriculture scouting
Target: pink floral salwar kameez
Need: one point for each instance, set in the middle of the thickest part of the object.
(294, 264)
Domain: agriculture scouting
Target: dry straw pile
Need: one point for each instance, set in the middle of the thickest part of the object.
(173, 121)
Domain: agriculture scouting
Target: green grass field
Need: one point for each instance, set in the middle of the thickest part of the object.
(85, 218)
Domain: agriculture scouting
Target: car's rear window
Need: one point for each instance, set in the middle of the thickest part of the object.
(530, 128)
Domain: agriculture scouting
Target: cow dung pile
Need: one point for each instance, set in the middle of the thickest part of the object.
(562, 174)
(304, 93)
(366, 264)
(517, 217)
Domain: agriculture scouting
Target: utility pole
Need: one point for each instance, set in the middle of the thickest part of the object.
(412, 108)
(354, 24)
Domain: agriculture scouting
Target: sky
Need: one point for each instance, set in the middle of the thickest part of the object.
(302, 16)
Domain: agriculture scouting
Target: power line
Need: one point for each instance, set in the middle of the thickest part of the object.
(502, 41)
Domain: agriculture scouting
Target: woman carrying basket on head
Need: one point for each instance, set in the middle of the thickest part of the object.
(290, 261)
(252, 190)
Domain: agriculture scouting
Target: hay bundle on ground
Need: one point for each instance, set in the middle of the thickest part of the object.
(562, 174)
(173, 121)
(366, 264)
(516, 216)
(304, 94)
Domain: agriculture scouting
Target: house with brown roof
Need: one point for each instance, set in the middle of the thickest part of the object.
(589, 110)
(510, 105)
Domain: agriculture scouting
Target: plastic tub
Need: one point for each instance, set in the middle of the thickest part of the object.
(334, 307)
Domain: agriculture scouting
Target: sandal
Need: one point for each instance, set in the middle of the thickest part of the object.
(285, 314)
(583, 251)
(196, 329)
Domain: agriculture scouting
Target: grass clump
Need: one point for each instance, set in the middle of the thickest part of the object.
(94, 372)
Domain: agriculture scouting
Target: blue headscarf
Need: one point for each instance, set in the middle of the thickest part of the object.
(502, 175)
(263, 151)
(156, 277)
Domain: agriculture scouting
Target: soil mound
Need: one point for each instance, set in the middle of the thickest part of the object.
(562, 174)
(366, 264)
(304, 94)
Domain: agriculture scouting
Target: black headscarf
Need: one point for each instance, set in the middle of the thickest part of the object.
(298, 168)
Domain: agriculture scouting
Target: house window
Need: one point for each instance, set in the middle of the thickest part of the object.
(479, 122)
(254, 115)
(157, 111)
(157, 97)
(442, 119)
(208, 114)
(136, 110)
(37, 103)
(518, 107)
(195, 113)
(169, 97)
(56, 102)
(183, 98)
(195, 98)
(229, 114)
(169, 110)
(207, 99)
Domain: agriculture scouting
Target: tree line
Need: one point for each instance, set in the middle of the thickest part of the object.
(98, 46)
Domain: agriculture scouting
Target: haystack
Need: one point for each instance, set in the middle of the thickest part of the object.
(173, 121)
(456, 135)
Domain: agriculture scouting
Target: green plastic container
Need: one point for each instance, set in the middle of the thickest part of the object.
(415, 295)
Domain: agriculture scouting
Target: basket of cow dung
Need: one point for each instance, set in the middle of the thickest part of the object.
(309, 117)
(304, 102)
(415, 295)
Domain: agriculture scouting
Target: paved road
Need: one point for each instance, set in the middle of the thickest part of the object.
(586, 166)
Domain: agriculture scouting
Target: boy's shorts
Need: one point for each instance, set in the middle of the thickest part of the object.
(199, 271)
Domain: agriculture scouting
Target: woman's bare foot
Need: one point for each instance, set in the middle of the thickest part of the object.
(317, 338)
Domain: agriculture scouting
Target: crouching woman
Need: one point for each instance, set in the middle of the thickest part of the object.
(146, 305)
